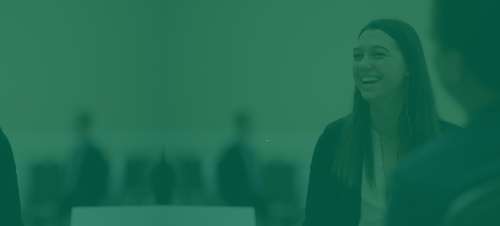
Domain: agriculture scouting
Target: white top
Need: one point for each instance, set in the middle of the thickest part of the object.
(373, 201)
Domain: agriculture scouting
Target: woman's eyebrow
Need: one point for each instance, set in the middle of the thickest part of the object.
(378, 46)
(381, 48)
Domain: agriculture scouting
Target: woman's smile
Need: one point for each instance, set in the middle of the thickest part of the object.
(369, 86)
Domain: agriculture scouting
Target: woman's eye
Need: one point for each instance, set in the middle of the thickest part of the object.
(357, 55)
(379, 54)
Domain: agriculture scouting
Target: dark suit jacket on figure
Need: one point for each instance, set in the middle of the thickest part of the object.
(425, 184)
(10, 204)
(90, 179)
(328, 202)
(235, 181)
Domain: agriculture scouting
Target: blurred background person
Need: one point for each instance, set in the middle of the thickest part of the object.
(163, 181)
(10, 204)
(239, 172)
(467, 56)
(393, 112)
(85, 182)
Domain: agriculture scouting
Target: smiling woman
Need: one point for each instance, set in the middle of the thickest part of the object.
(378, 57)
(393, 113)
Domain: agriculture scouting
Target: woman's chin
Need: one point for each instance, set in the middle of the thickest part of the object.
(368, 97)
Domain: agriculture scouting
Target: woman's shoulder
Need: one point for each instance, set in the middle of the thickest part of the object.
(449, 127)
(336, 126)
(327, 142)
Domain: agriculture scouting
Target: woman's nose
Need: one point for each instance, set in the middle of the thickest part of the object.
(365, 63)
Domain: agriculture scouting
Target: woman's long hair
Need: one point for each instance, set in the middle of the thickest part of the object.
(418, 121)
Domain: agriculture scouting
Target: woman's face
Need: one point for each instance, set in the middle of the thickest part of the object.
(377, 55)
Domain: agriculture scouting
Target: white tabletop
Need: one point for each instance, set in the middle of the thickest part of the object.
(162, 215)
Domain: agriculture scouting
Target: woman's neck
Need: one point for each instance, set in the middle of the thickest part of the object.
(385, 119)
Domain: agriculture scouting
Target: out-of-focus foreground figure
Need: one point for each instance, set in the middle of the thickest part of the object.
(454, 181)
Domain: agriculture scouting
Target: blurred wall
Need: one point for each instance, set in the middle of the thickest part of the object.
(175, 72)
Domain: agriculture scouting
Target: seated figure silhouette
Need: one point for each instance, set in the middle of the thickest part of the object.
(240, 178)
(163, 181)
(85, 183)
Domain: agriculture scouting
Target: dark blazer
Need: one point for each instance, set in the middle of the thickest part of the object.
(10, 204)
(425, 184)
(328, 202)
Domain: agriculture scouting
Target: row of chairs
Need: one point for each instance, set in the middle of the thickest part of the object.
(196, 184)
(478, 206)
